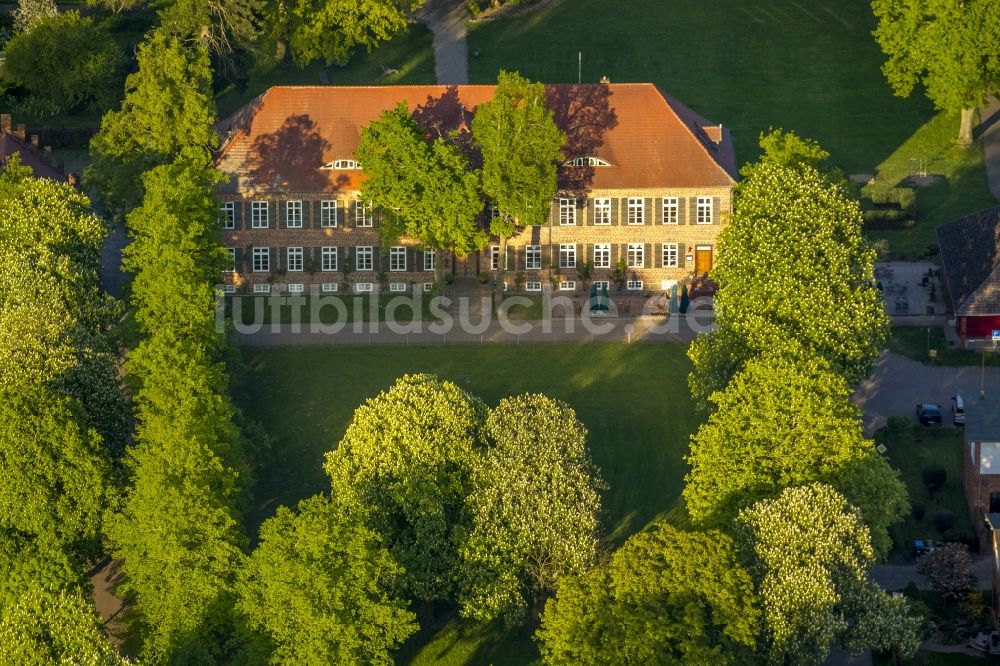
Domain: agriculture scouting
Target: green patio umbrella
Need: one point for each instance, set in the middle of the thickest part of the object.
(673, 299)
(604, 298)
(594, 302)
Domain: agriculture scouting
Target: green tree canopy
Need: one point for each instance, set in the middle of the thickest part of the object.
(793, 266)
(319, 584)
(787, 148)
(54, 318)
(220, 26)
(521, 148)
(30, 12)
(535, 506)
(810, 553)
(428, 189)
(786, 420)
(55, 476)
(177, 254)
(406, 460)
(177, 527)
(667, 597)
(168, 106)
(330, 30)
(947, 46)
(54, 626)
(64, 62)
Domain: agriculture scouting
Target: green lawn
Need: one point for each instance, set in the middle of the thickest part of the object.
(912, 342)
(261, 309)
(411, 55)
(632, 398)
(910, 450)
(810, 67)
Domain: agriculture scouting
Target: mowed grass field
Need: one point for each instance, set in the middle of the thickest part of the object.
(811, 67)
(632, 398)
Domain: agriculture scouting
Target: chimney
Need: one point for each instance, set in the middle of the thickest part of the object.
(5, 125)
(19, 133)
(34, 140)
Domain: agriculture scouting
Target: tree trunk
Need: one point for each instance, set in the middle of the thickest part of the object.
(498, 289)
(965, 130)
(438, 268)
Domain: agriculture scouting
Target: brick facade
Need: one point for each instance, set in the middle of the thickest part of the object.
(295, 144)
(586, 237)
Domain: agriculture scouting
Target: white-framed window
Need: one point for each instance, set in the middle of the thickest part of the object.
(567, 255)
(671, 210)
(602, 211)
(230, 260)
(261, 259)
(227, 216)
(567, 212)
(670, 254)
(229, 288)
(397, 286)
(294, 262)
(296, 288)
(633, 285)
(602, 255)
(567, 285)
(364, 287)
(636, 255)
(262, 289)
(430, 256)
(428, 286)
(495, 258)
(636, 210)
(397, 258)
(364, 257)
(328, 213)
(329, 287)
(587, 161)
(364, 213)
(293, 214)
(704, 210)
(532, 257)
(328, 259)
(532, 286)
(258, 215)
(602, 284)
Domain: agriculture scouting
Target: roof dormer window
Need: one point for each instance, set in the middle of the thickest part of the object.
(342, 165)
(586, 162)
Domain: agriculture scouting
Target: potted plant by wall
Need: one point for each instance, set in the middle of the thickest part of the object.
(483, 278)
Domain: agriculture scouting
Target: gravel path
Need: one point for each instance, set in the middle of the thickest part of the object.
(447, 19)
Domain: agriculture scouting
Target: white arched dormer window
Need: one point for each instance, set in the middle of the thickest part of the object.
(588, 161)
(341, 165)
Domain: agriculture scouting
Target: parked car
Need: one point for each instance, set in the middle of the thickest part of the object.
(957, 410)
(928, 414)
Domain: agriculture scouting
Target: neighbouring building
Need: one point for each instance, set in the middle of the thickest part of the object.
(39, 160)
(970, 263)
(981, 461)
(646, 182)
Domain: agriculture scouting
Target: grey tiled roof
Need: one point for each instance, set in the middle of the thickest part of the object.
(970, 256)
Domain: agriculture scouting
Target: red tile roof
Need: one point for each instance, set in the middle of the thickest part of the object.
(280, 140)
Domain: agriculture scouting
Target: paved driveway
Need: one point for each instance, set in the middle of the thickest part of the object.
(899, 383)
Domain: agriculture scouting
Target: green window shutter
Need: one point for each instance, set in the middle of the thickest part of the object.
(680, 254)
(614, 211)
(275, 258)
(238, 258)
(648, 216)
(682, 210)
(615, 252)
(657, 256)
(648, 261)
(347, 219)
(589, 212)
(656, 215)
(238, 214)
(716, 203)
(314, 213)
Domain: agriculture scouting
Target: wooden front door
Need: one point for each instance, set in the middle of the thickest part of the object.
(467, 266)
(703, 259)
